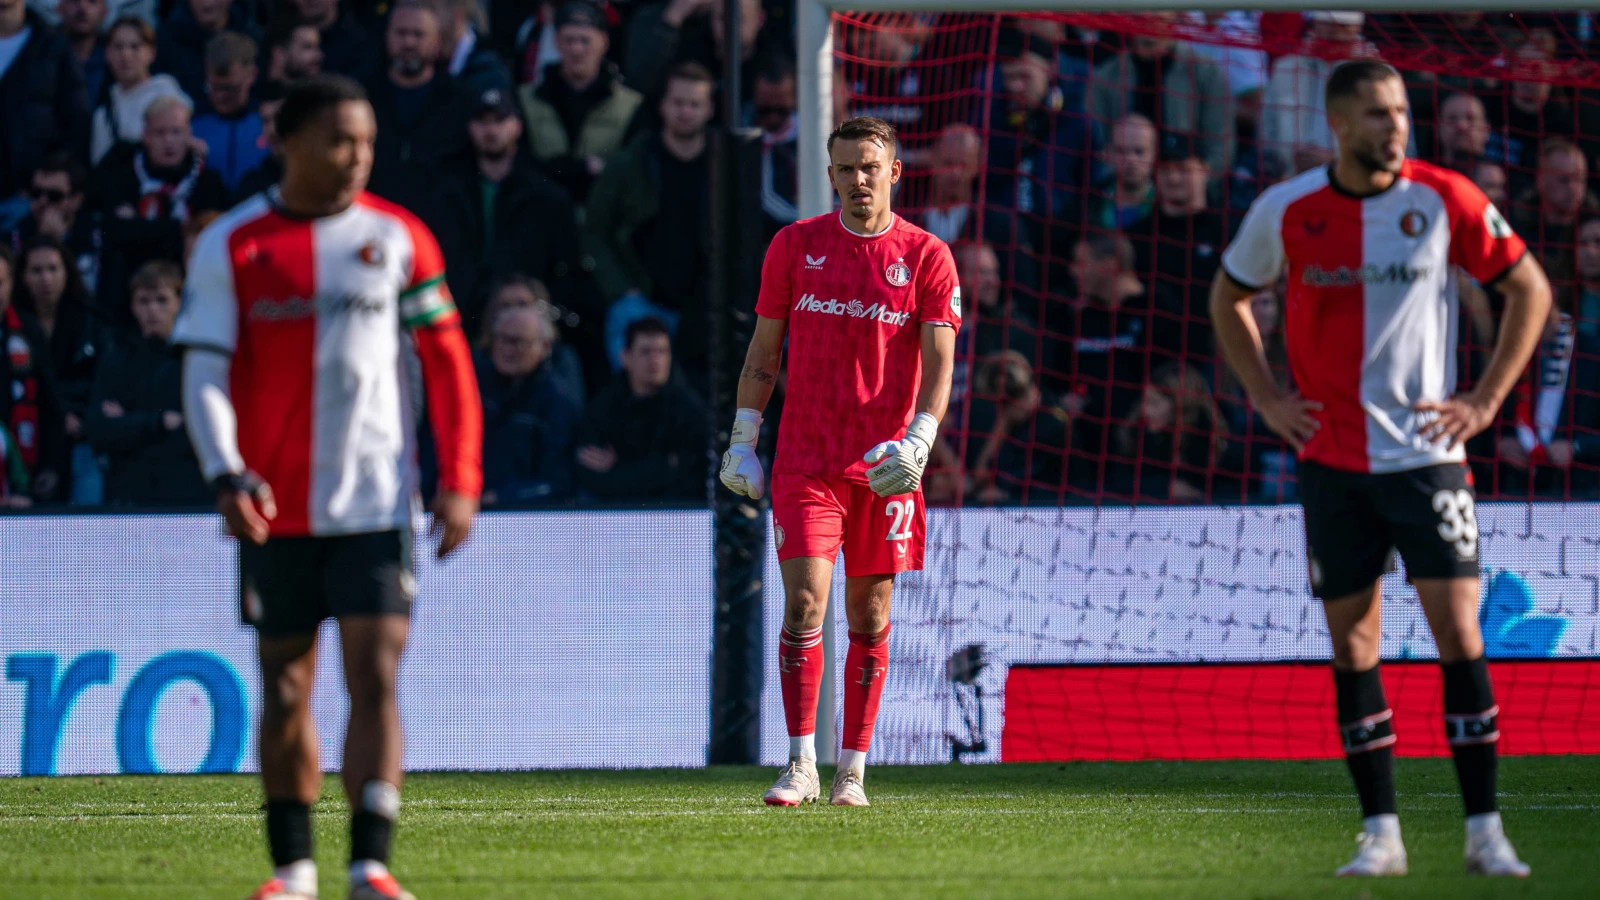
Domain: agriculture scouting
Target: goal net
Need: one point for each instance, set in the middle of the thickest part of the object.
(1119, 571)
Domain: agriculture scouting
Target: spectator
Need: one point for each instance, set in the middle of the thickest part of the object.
(466, 55)
(1464, 135)
(55, 210)
(1490, 177)
(1587, 293)
(1179, 244)
(1533, 112)
(494, 215)
(951, 210)
(422, 112)
(774, 114)
(1172, 445)
(267, 172)
(1270, 459)
(997, 322)
(646, 436)
(1294, 120)
(648, 222)
(1036, 151)
(580, 113)
(1101, 344)
(1232, 37)
(522, 292)
(347, 48)
(232, 131)
(294, 51)
(145, 199)
(42, 94)
(880, 79)
(181, 44)
(528, 419)
(1550, 444)
(82, 22)
(1016, 445)
(192, 228)
(134, 415)
(667, 34)
(1167, 82)
(119, 121)
(30, 410)
(53, 294)
(1128, 192)
(1546, 215)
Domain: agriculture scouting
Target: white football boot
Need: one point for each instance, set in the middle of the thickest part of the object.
(1492, 854)
(797, 784)
(1378, 855)
(848, 789)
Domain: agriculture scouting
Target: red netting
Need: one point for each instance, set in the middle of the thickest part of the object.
(1096, 136)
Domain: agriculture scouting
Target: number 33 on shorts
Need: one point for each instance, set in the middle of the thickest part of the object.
(1458, 522)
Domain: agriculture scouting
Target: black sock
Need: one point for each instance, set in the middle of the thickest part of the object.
(1366, 726)
(1471, 727)
(372, 823)
(288, 831)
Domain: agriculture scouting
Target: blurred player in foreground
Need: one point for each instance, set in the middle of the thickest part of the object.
(1372, 244)
(297, 306)
(870, 306)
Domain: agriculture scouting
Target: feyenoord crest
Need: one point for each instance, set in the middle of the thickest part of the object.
(1413, 223)
(371, 254)
(898, 273)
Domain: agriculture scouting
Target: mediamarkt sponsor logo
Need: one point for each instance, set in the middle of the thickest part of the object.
(1371, 273)
(855, 309)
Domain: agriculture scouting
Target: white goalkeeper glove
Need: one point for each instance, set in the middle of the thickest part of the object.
(900, 464)
(741, 468)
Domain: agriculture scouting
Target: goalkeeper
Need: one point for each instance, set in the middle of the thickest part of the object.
(870, 307)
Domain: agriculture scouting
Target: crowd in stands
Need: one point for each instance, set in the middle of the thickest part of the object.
(1087, 180)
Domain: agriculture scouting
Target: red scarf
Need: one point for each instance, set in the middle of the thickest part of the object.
(24, 389)
(1538, 408)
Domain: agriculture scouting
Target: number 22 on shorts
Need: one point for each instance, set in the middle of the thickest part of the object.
(904, 513)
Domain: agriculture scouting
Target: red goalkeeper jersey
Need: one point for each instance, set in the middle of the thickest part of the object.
(855, 306)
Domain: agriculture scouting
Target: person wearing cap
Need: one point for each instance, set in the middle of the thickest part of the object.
(421, 111)
(1294, 119)
(1168, 82)
(580, 112)
(496, 216)
(1179, 243)
(467, 56)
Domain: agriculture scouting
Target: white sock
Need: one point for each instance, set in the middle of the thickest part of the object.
(803, 747)
(1387, 824)
(299, 876)
(854, 760)
(1484, 825)
(365, 870)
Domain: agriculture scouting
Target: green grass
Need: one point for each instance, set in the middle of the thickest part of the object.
(1229, 830)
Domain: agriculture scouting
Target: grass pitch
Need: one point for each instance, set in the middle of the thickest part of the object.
(1235, 830)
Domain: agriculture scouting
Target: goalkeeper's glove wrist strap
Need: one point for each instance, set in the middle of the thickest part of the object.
(746, 426)
(924, 427)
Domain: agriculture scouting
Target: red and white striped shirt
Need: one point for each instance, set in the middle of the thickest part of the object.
(314, 314)
(1370, 313)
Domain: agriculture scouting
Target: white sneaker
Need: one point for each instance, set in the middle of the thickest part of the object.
(798, 783)
(1492, 854)
(848, 789)
(1379, 855)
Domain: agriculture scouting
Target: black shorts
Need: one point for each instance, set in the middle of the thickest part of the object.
(1355, 521)
(290, 584)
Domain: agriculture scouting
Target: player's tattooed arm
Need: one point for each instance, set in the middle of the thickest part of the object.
(762, 363)
(756, 373)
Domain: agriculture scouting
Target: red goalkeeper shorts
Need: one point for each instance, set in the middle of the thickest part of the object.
(814, 516)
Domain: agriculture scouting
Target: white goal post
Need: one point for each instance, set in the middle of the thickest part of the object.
(814, 58)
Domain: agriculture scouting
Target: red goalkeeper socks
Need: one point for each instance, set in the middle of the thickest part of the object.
(866, 665)
(800, 673)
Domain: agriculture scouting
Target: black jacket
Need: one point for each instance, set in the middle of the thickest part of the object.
(181, 48)
(44, 107)
(527, 436)
(351, 50)
(662, 443)
(535, 234)
(409, 155)
(150, 463)
(131, 239)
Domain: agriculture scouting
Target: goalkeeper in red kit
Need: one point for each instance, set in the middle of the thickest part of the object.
(869, 305)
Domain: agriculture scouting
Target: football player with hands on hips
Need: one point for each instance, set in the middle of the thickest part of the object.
(869, 306)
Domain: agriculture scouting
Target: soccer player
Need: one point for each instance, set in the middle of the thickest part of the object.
(298, 308)
(870, 307)
(1372, 244)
